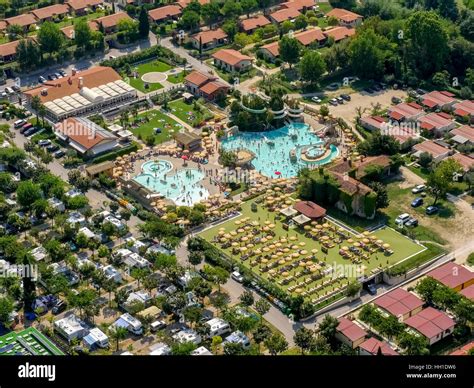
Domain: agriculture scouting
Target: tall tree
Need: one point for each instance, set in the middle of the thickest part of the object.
(143, 23)
(50, 37)
(440, 179)
(82, 33)
(289, 50)
(312, 67)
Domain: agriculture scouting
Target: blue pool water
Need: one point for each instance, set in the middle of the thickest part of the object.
(182, 186)
(272, 149)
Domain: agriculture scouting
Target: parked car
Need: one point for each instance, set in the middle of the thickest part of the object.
(52, 148)
(237, 276)
(51, 77)
(19, 123)
(31, 131)
(340, 100)
(4, 94)
(58, 75)
(402, 218)
(346, 97)
(396, 100)
(418, 189)
(412, 222)
(9, 90)
(333, 101)
(315, 99)
(26, 127)
(16, 89)
(44, 142)
(372, 289)
(157, 325)
(59, 307)
(421, 91)
(59, 154)
(417, 202)
(431, 210)
(413, 94)
(41, 79)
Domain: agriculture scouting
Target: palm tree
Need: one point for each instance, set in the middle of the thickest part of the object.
(35, 105)
(117, 334)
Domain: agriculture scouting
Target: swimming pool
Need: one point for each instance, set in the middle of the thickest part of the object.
(279, 150)
(182, 187)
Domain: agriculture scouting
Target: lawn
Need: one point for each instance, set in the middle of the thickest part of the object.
(188, 112)
(298, 242)
(157, 119)
(177, 78)
(148, 67)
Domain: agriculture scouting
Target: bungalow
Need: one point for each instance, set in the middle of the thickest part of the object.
(453, 275)
(232, 60)
(432, 324)
(209, 39)
(25, 21)
(81, 7)
(271, 51)
(373, 346)
(345, 18)
(162, 14)
(109, 24)
(8, 51)
(405, 112)
(438, 100)
(350, 333)
(251, 24)
(50, 13)
(437, 123)
(464, 109)
(70, 327)
(468, 292)
(299, 5)
(463, 135)
(438, 152)
(310, 210)
(283, 15)
(184, 3)
(339, 33)
(399, 303)
(374, 123)
(465, 161)
(69, 31)
(86, 137)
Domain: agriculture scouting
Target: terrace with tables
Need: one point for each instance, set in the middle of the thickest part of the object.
(304, 259)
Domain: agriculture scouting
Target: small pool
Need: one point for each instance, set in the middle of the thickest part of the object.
(183, 187)
(280, 150)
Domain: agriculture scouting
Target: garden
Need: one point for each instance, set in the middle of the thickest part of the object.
(151, 120)
(135, 74)
(193, 114)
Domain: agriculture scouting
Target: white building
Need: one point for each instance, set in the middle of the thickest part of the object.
(160, 349)
(39, 253)
(134, 245)
(201, 351)
(87, 232)
(188, 335)
(133, 325)
(71, 327)
(134, 260)
(96, 338)
(218, 326)
(76, 218)
(113, 273)
(114, 221)
(237, 337)
(137, 297)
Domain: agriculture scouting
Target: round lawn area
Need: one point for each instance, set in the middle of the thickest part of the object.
(154, 77)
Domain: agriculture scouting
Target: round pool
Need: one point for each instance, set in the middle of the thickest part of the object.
(157, 167)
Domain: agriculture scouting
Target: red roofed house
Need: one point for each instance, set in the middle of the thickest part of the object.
(453, 276)
(251, 24)
(86, 137)
(371, 347)
(349, 333)
(184, 3)
(232, 60)
(209, 39)
(437, 123)
(162, 14)
(204, 85)
(109, 23)
(374, 123)
(283, 15)
(50, 13)
(399, 303)
(345, 18)
(25, 21)
(8, 51)
(439, 100)
(465, 161)
(438, 152)
(463, 350)
(431, 323)
(69, 31)
(468, 292)
(339, 33)
(299, 5)
(405, 112)
(310, 210)
(270, 51)
(464, 109)
(463, 135)
(80, 7)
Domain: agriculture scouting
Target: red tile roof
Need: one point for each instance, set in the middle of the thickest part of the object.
(451, 274)
(436, 98)
(465, 131)
(254, 22)
(285, 14)
(405, 111)
(464, 108)
(310, 209)
(113, 19)
(339, 33)
(309, 36)
(212, 87)
(343, 14)
(468, 292)
(463, 351)
(399, 302)
(231, 57)
(52, 10)
(298, 4)
(67, 31)
(372, 346)
(184, 3)
(350, 330)
(432, 148)
(430, 322)
(209, 35)
(8, 49)
(465, 161)
(197, 78)
(78, 5)
(435, 121)
(21, 20)
(273, 48)
(164, 12)
(82, 134)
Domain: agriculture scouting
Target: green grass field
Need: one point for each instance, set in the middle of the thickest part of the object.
(188, 113)
(402, 247)
(36, 341)
(157, 120)
(177, 78)
(148, 67)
